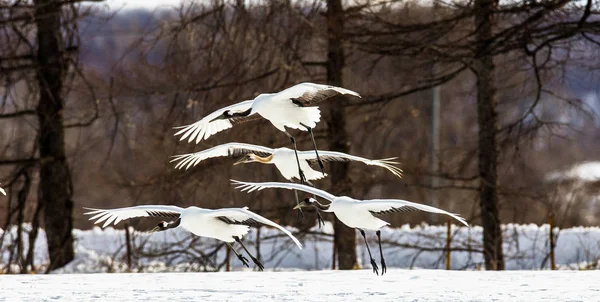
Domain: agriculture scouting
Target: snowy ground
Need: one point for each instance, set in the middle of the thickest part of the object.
(397, 285)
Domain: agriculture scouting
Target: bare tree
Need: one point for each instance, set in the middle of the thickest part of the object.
(345, 237)
(43, 57)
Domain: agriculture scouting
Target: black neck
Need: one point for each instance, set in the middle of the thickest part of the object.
(321, 207)
(239, 114)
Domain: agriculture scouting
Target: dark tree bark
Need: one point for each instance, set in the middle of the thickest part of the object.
(345, 237)
(55, 179)
(487, 119)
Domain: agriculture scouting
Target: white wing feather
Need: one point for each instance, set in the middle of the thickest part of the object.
(379, 205)
(119, 214)
(204, 128)
(253, 186)
(299, 89)
(241, 214)
(387, 163)
(2, 191)
(192, 159)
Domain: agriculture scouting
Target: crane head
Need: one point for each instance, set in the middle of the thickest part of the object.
(306, 202)
(162, 226)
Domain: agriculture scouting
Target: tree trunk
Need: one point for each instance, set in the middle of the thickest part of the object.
(345, 237)
(55, 178)
(487, 119)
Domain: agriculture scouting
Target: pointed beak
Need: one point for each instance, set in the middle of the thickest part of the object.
(300, 205)
(241, 161)
(155, 229)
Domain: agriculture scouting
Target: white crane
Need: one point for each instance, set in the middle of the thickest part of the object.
(359, 214)
(227, 225)
(288, 108)
(283, 159)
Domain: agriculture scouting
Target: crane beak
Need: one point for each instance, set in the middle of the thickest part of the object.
(155, 229)
(300, 205)
(242, 160)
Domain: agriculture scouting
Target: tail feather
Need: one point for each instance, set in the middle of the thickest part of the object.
(389, 164)
(313, 116)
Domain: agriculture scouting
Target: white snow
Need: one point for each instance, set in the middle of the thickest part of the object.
(586, 172)
(330, 286)
(525, 247)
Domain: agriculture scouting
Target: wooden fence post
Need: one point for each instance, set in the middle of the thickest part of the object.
(551, 240)
(448, 242)
(227, 261)
(334, 255)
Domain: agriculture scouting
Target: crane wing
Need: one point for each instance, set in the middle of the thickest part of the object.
(208, 126)
(253, 186)
(230, 149)
(387, 163)
(246, 217)
(116, 215)
(307, 94)
(384, 206)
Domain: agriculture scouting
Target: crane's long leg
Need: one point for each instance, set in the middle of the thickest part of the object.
(312, 137)
(242, 258)
(260, 266)
(320, 220)
(383, 267)
(373, 263)
(300, 173)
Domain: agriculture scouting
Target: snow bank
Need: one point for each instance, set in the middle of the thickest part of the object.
(525, 247)
(585, 172)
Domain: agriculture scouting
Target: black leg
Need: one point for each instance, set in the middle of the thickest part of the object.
(260, 266)
(373, 263)
(320, 220)
(316, 151)
(383, 267)
(300, 173)
(242, 258)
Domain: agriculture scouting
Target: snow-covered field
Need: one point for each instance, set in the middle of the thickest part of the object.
(362, 285)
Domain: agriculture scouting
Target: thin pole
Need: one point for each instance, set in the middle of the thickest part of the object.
(448, 242)
(435, 129)
(435, 147)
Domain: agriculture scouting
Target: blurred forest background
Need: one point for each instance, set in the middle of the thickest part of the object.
(89, 97)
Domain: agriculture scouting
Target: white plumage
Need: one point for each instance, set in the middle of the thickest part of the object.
(2, 191)
(199, 221)
(283, 159)
(360, 214)
(283, 109)
(228, 225)
(289, 108)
